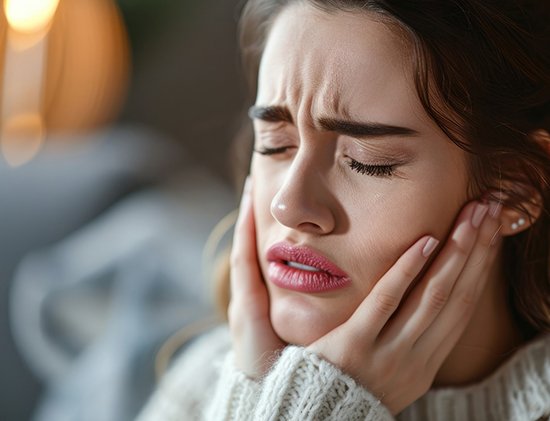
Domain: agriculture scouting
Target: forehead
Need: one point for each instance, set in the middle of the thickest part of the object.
(343, 60)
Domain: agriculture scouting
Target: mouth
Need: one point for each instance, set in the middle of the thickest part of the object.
(301, 266)
(303, 269)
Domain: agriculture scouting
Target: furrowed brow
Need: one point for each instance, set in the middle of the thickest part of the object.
(277, 113)
(364, 129)
(273, 113)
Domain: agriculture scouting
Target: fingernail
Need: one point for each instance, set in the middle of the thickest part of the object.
(479, 213)
(495, 208)
(429, 247)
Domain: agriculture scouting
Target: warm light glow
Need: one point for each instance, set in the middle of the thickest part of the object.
(55, 77)
(30, 15)
(22, 137)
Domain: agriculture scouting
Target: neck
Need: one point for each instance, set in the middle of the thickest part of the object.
(490, 338)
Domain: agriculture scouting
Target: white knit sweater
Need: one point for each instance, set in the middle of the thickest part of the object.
(203, 384)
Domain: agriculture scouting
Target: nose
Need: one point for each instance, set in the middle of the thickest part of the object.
(303, 202)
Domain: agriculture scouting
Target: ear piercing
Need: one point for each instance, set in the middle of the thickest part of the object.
(519, 223)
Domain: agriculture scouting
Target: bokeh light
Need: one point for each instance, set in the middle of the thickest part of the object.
(64, 66)
(30, 15)
(23, 135)
(87, 66)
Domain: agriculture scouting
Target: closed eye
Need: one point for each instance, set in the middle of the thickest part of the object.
(272, 151)
(370, 169)
(386, 170)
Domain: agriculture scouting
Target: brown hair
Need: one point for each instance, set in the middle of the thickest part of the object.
(482, 73)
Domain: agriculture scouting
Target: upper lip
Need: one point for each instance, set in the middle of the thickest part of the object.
(284, 251)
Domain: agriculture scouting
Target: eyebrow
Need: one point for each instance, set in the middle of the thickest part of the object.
(351, 128)
(274, 113)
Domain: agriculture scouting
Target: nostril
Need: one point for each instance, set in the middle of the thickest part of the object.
(310, 227)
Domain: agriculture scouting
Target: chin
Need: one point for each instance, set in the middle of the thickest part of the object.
(301, 320)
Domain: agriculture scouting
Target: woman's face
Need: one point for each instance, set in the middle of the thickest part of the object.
(349, 168)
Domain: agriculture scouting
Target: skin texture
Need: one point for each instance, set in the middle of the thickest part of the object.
(310, 196)
(409, 320)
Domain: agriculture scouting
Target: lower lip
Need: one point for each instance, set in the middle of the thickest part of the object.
(300, 280)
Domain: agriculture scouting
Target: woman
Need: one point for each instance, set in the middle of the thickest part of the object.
(392, 250)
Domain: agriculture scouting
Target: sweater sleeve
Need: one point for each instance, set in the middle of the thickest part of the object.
(300, 386)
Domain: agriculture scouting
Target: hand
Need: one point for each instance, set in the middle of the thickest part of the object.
(254, 340)
(394, 345)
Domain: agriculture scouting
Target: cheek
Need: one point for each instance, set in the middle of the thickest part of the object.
(393, 222)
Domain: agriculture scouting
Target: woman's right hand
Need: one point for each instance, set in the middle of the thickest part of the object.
(254, 341)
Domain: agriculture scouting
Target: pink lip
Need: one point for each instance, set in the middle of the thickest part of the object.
(328, 278)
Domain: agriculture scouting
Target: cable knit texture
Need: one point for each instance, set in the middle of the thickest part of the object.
(301, 386)
(205, 385)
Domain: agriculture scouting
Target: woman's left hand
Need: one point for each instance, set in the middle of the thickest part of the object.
(394, 346)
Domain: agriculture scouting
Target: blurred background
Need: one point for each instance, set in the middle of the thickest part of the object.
(116, 122)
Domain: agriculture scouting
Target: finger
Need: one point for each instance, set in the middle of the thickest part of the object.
(465, 296)
(432, 293)
(245, 209)
(373, 313)
(449, 335)
(245, 273)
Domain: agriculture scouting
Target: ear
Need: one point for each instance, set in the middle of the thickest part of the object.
(514, 221)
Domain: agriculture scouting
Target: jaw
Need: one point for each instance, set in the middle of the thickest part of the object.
(301, 319)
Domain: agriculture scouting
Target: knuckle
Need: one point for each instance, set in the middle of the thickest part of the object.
(437, 297)
(386, 303)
